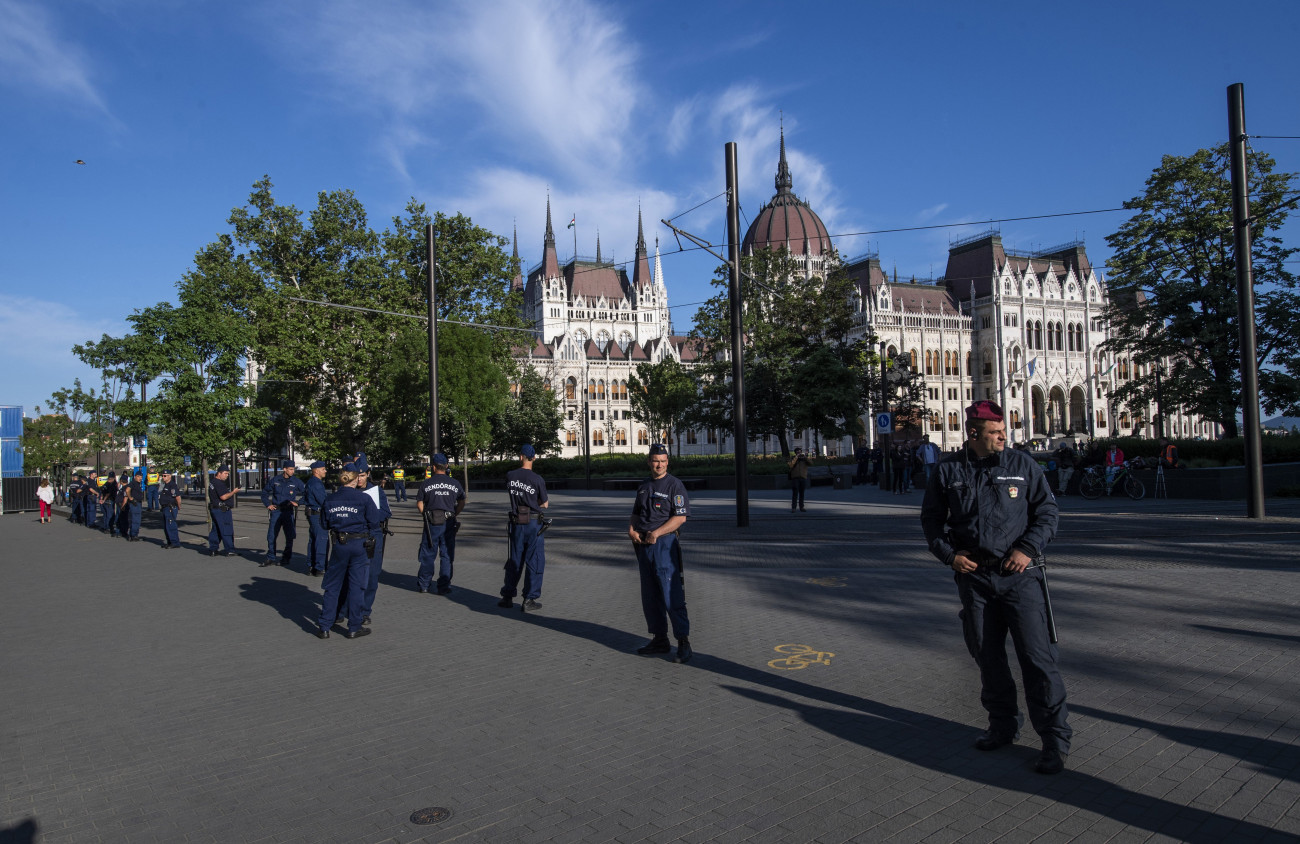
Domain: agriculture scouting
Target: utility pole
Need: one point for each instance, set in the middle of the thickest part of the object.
(1160, 399)
(1245, 302)
(430, 256)
(885, 462)
(737, 335)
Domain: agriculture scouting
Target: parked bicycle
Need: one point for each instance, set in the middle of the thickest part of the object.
(1093, 483)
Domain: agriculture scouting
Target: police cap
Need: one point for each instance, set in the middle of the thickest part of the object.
(319, 464)
(527, 450)
(658, 448)
(361, 463)
(439, 459)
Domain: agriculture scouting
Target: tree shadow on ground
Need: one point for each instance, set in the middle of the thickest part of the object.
(927, 741)
(1269, 756)
(23, 833)
(296, 602)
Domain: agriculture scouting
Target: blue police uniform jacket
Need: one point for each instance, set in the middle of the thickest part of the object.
(988, 507)
(314, 493)
(349, 510)
(281, 490)
(441, 492)
(657, 501)
(169, 494)
(137, 492)
(527, 489)
(216, 489)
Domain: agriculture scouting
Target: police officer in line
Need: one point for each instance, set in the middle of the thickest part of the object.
(528, 498)
(373, 486)
(169, 498)
(318, 540)
(399, 483)
(219, 504)
(660, 509)
(90, 500)
(132, 502)
(123, 516)
(440, 500)
(989, 513)
(352, 519)
(280, 496)
(75, 500)
(108, 504)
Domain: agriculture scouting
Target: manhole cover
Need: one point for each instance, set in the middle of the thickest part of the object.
(424, 817)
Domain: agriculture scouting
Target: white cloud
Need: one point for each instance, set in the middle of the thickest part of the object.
(36, 339)
(34, 58)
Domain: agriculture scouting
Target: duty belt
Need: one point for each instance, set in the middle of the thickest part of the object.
(342, 538)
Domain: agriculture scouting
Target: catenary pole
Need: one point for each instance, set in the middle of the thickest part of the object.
(1245, 302)
(430, 258)
(737, 312)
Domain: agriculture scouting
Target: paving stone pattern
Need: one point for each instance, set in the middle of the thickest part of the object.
(166, 696)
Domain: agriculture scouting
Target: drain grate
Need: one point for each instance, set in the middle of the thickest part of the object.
(424, 817)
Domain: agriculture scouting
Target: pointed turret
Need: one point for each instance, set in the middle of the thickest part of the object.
(550, 263)
(784, 184)
(641, 270)
(518, 282)
(597, 246)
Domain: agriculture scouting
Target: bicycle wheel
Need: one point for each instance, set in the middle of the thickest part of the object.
(1135, 488)
(1092, 485)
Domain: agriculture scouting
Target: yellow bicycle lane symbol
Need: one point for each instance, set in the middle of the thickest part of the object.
(799, 656)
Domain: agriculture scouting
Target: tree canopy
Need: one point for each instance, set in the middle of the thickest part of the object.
(1173, 288)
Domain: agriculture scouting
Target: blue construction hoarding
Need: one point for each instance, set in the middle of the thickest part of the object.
(11, 438)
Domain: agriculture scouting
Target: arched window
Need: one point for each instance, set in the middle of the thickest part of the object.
(643, 438)
(969, 372)
(1038, 334)
(914, 360)
(1060, 335)
(597, 437)
(936, 421)
(548, 386)
(929, 363)
(571, 389)
(620, 437)
(571, 438)
(891, 353)
(591, 389)
(954, 422)
(600, 389)
(622, 390)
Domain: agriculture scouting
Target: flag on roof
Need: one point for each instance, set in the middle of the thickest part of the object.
(573, 222)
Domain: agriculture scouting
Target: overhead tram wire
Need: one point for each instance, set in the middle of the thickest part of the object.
(421, 317)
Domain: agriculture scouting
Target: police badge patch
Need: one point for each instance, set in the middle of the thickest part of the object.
(1013, 491)
(678, 500)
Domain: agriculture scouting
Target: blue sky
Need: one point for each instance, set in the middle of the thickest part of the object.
(896, 115)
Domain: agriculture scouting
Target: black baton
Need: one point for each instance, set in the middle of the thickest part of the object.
(1047, 600)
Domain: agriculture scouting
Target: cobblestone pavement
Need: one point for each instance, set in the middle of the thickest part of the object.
(166, 696)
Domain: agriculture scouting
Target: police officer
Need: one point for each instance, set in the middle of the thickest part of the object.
(90, 500)
(318, 540)
(439, 500)
(108, 504)
(376, 492)
(528, 498)
(169, 497)
(352, 518)
(280, 496)
(219, 504)
(661, 508)
(989, 513)
(132, 502)
(75, 500)
(399, 483)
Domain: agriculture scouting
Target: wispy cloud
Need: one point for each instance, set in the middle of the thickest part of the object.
(35, 58)
(36, 340)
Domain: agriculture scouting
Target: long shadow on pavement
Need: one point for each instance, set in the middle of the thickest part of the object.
(610, 637)
(1256, 634)
(1269, 756)
(295, 602)
(926, 740)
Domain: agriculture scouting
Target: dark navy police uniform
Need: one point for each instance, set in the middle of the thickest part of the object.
(135, 500)
(284, 493)
(376, 563)
(986, 508)
(75, 500)
(223, 524)
(442, 497)
(318, 541)
(527, 491)
(352, 518)
(108, 505)
(169, 497)
(663, 590)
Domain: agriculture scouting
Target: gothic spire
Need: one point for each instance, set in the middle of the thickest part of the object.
(784, 184)
(640, 233)
(550, 263)
(597, 246)
(550, 232)
(641, 265)
(518, 282)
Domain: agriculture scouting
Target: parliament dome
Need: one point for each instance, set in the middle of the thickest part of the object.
(787, 221)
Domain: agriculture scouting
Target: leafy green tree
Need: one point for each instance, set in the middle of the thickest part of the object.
(827, 400)
(663, 397)
(1173, 287)
(534, 416)
(49, 444)
(788, 316)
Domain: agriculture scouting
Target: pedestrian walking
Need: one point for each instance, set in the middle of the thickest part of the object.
(989, 514)
(220, 495)
(45, 495)
(660, 510)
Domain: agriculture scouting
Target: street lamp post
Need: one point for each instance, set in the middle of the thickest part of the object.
(886, 463)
